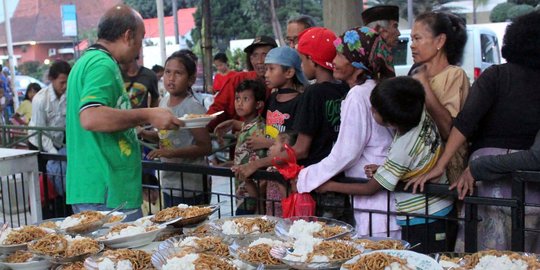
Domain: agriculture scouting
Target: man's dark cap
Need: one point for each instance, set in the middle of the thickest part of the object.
(378, 13)
(261, 41)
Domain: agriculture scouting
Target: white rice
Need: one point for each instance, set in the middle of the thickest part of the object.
(185, 263)
(502, 263)
(267, 241)
(302, 229)
(131, 230)
(68, 222)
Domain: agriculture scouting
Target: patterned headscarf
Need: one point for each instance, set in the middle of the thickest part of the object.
(366, 50)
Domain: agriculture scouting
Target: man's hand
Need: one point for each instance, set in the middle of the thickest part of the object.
(258, 142)
(243, 172)
(418, 182)
(159, 153)
(465, 184)
(162, 118)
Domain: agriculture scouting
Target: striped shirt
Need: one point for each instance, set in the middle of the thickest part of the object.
(412, 154)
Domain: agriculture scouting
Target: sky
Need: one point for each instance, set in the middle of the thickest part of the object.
(11, 5)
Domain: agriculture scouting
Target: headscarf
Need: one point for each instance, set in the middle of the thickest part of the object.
(366, 50)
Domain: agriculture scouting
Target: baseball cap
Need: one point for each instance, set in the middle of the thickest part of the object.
(317, 43)
(287, 56)
(261, 41)
(382, 12)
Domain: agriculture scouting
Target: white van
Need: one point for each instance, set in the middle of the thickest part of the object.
(481, 51)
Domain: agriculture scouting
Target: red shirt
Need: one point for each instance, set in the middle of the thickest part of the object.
(221, 79)
(224, 100)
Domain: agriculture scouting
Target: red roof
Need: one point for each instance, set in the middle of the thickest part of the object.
(186, 22)
(40, 20)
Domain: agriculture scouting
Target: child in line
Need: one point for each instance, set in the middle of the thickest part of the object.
(284, 73)
(399, 103)
(273, 206)
(362, 61)
(248, 102)
(182, 145)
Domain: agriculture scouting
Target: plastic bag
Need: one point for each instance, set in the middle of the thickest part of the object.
(297, 204)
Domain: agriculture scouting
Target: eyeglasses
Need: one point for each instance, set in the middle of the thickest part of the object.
(292, 41)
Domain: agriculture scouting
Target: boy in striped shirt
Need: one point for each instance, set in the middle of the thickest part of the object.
(398, 103)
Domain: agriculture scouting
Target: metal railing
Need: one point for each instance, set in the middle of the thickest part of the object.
(13, 136)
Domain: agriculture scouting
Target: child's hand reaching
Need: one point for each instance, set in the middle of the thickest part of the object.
(258, 142)
(223, 128)
(326, 187)
(370, 170)
(159, 153)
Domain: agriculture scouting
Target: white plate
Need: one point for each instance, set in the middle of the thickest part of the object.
(7, 249)
(283, 226)
(39, 264)
(199, 122)
(131, 241)
(421, 261)
(240, 246)
(159, 258)
(217, 224)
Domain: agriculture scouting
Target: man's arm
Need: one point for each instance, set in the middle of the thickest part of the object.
(369, 188)
(106, 119)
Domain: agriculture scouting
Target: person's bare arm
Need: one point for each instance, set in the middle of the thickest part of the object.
(202, 147)
(107, 119)
(368, 188)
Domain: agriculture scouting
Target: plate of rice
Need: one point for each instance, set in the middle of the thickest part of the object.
(129, 235)
(24, 260)
(392, 260)
(317, 227)
(120, 259)
(178, 259)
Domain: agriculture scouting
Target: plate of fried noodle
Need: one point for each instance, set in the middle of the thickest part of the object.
(120, 259)
(309, 226)
(184, 215)
(392, 259)
(71, 266)
(129, 235)
(257, 252)
(178, 259)
(24, 260)
(324, 254)
(83, 222)
(244, 227)
(62, 249)
(17, 239)
(379, 243)
(197, 244)
(487, 259)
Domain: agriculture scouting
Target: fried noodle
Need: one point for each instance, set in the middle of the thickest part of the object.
(334, 250)
(24, 235)
(259, 254)
(375, 261)
(176, 212)
(139, 259)
(19, 257)
(82, 246)
(51, 245)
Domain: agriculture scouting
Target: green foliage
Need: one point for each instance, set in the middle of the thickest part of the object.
(90, 35)
(33, 69)
(233, 19)
(526, 2)
(148, 8)
(419, 6)
(519, 10)
(237, 59)
(500, 12)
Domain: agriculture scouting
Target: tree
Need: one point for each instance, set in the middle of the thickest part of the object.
(519, 10)
(526, 2)
(500, 12)
(148, 8)
(476, 4)
(233, 19)
(419, 6)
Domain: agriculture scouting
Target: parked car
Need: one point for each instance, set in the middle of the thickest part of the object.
(22, 82)
(481, 51)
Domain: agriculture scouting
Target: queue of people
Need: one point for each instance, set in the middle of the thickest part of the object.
(335, 101)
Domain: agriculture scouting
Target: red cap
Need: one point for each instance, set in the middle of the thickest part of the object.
(318, 43)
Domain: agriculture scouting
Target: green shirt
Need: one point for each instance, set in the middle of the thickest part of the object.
(103, 167)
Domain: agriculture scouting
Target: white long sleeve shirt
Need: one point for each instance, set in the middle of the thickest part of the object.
(48, 110)
(361, 141)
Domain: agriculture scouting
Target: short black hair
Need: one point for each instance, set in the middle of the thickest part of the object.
(117, 21)
(59, 67)
(521, 42)
(399, 101)
(453, 27)
(258, 88)
(186, 60)
(221, 57)
(157, 68)
(290, 136)
(32, 86)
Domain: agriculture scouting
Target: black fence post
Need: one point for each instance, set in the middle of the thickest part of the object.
(471, 227)
(518, 214)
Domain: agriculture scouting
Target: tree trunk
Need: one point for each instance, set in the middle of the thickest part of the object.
(340, 15)
(276, 26)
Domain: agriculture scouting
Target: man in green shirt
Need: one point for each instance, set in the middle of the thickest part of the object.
(104, 159)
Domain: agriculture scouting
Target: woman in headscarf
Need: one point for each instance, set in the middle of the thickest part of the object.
(362, 60)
